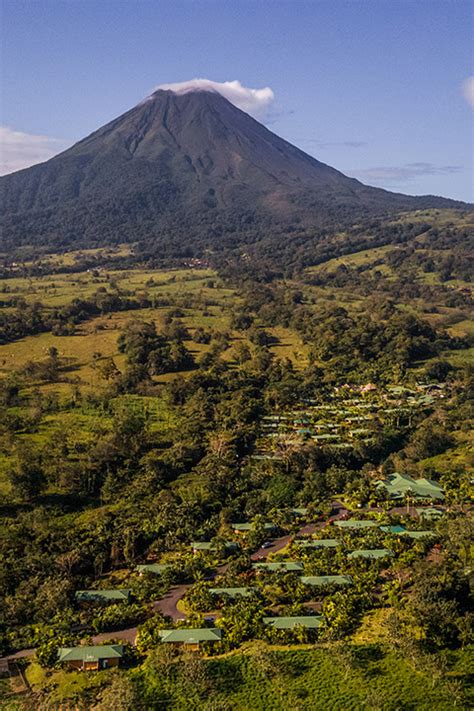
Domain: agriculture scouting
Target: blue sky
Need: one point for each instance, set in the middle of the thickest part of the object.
(372, 87)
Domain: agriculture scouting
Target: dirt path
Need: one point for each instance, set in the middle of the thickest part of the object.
(277, 545)
(128, 635)
(167, 604)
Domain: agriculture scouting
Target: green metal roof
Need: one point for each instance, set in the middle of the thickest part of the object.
(417, 535)
(289, 623)
(398, 528)
(373, 554)
(250, 526)
(101, 595)
(156, 568)
(192, 636)
(209, 546)
(231, 592)
(355, 523)
(321, 543)
(429, 512)
(320, 580)
(285, 565)
(90, 654)
(399, 485)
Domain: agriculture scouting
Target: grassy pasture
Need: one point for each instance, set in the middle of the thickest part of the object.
(60, 289)
(304, 678)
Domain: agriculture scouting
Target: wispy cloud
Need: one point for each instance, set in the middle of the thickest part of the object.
(400, 174)
(253, 101)
(468, 90)
(21, 150)
(332, 144)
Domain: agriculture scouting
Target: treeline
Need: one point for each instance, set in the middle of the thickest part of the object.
(31, 318)
(381, 343)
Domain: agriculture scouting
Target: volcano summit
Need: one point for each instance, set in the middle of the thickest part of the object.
(183, 169)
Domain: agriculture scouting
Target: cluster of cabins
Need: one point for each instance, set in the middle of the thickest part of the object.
(348, 416)
(397, 487)
(96, 658)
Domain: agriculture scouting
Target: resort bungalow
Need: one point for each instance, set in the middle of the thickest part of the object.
(321, 543)
(289, 623)
(209, 547)
(419, 535)
(300, 512)
(154, 568)
(231, 592)
(322, 580)
(288, 566)
(190, 638)
(429, 513)
(103, 597)
(246, 527)
(355, 524)
(398, 486)
(374, 554)
(91, 658)
(395, 530)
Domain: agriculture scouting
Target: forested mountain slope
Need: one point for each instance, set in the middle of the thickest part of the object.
(184, 172)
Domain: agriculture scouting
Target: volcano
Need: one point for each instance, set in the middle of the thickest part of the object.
(183, 169)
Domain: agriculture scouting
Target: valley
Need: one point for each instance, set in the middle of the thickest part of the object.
(173, 429)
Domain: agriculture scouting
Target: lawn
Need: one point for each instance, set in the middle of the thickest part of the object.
(314, 679)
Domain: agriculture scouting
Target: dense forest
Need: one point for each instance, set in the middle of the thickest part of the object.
(147, 405)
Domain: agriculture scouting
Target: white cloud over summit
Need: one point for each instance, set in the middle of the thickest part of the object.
(468, 90)
(20, 150)
(253, 101)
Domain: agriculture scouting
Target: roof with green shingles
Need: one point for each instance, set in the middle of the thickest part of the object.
(156, 568)
(90, 654)
(319, 580)
(416, 535)
(192, 636)
(398, 528)
(372, 554)
(210, 546)
(355, 523)
(249, 526)
(286, 565)
(399, 485)
(321, 543)
(102, 595)
(289, 623)
(429, 512)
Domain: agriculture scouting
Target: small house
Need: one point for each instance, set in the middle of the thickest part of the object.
(191, 638)
(323, 580)
(399, 486)
(318, 543)
(419, 535)
(430, 513)
(395, 530)
(246, 527)
(101, 597)
(289, 623)
(153, 568)
(91, 658)
(288, 566)
(209, 547)
(355, 524)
